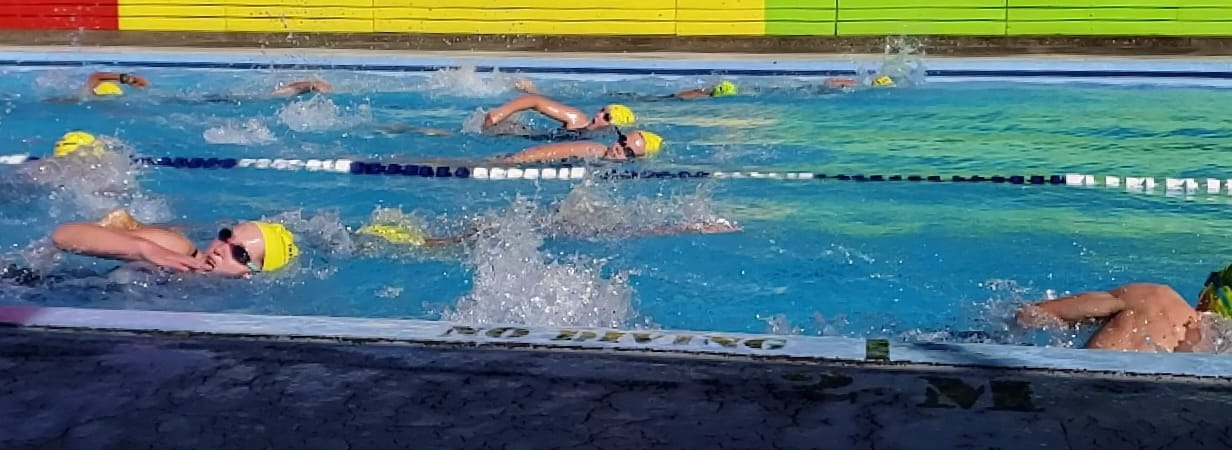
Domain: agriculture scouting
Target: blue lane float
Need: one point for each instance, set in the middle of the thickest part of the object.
(1186, 186)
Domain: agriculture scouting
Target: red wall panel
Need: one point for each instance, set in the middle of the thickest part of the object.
(59, 14)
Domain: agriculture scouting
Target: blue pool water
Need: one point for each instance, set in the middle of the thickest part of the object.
(906, 261)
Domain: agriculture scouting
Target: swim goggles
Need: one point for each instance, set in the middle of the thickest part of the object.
(237, 251)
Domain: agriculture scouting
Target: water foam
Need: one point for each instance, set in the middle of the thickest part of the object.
(319, 113)
(466, 81)
(518, 283)
(88, 186)
(249, 132)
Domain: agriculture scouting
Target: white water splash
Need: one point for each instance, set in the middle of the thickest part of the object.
(249, 132)
(466, 81)
(87, 186)
(319, 113)
(517, 283)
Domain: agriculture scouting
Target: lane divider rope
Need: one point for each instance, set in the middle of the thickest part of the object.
(566, 172)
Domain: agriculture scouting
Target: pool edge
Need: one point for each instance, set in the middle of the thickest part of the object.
(664, 343)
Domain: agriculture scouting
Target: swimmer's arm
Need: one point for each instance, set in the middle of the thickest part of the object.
(154, 245)
(569, 116)
(99, 77)
(557, 151)
(693, 94)
(713, 227)
(1068, 310)
(303, 87)
(840, 82)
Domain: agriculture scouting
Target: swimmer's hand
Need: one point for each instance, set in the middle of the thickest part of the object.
(162, 257)
(1032, 316)
(526, 86)
(716, 226)
(135, 80)
(840, 82)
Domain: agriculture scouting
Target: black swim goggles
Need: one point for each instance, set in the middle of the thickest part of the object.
(623, 142)
(237, 251)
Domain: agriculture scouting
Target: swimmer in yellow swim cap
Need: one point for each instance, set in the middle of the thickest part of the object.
(1142, 317)
(77, 142)
(239, 251)
(628, 146)
(107, 84)
(574, 123)
(724, 88)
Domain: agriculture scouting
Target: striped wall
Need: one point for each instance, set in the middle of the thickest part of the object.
(635, 17)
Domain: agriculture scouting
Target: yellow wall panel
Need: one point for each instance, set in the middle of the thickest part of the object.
(564, 15)
(300, 3)
(299, 25)
(173, 24)
(524, 27)
(722, 15)
(529, 4)
(325, 12)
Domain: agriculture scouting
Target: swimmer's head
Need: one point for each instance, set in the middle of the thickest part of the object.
(107, 89)
(883, 81)
(618, 115)
(724, 89)
(1216, 295)
(251, 247)
(636, 144)
(74, 141)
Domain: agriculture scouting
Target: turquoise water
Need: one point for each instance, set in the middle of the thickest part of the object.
(906, 261)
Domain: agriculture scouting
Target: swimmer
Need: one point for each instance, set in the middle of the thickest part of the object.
(303, 87)
(722, 89)
(1140, 317)
(880, 81)
(107, 84)
(634, 145)
(575, 124)
(240, 251)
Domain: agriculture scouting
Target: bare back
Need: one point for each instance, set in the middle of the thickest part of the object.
(1155, 318)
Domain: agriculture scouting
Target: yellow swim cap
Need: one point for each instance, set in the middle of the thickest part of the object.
(107, 88)
(724, 89)
(280, 246)
(621, 115)
(73, 141)
(654, 142)
(396, 234)
(883, 81)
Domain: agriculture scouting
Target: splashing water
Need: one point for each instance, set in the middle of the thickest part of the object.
(319, 113)
(250, 132)
(466, 81)
(903, 61)
(88, 186)
(516, 282)
(592, 210)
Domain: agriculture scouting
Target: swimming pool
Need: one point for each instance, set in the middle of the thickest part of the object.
(914, 261)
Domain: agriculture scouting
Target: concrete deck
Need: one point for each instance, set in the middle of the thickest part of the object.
(97, 379)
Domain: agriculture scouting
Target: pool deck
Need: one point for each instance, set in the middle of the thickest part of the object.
(79, 378)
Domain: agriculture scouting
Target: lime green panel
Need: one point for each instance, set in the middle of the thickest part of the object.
(922, 14)
(1098, 3)
(1207, 14)
(799, 15)
(977, 28)
(800, 28)
(806, 4)
(861, 4)
(1097, 14)
(1073, 27)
